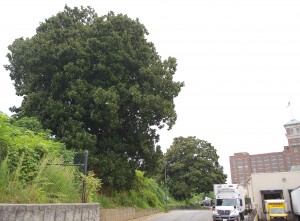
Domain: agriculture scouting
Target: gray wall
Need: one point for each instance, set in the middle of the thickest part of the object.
(50, 212)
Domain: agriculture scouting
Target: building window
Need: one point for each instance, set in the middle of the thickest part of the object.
(273, 158)
(260, 168)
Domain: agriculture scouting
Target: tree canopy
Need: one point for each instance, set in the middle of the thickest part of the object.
(192, 167)
(97, 84)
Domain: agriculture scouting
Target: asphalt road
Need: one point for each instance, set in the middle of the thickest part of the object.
(181, 215)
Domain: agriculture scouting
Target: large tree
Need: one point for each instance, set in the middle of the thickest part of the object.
(98, 84)
(192, 167)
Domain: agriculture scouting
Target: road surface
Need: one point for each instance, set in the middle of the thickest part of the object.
(180, 215)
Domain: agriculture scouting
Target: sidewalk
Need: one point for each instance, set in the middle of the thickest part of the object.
(145, 218)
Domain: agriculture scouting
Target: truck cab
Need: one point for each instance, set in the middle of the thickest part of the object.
(229, 202)
(276, 210)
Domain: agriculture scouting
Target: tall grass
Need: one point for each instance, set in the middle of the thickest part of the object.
(146, 193)
(63, 184)
(52, 184)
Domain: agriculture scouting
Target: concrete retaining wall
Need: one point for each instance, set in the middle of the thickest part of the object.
(50, 212)
(124, 214)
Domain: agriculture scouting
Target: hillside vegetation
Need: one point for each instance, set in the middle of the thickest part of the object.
(26, 175)
(96, 84)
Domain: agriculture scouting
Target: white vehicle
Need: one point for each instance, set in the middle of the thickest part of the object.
(229, 202)
(295, 201)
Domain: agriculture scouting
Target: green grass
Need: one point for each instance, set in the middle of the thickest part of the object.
(52, 184)
(145, 194)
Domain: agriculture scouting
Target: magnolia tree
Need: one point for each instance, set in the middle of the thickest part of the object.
(192, 167)
(97, 84)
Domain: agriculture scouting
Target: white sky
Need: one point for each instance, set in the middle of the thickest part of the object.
(239, 60)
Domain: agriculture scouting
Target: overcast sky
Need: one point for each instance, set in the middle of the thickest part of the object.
(239, 61)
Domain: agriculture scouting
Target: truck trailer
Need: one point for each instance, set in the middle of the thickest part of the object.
(229, 202)
(295, 201)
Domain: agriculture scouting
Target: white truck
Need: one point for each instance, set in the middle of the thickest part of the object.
(229, 202)
(295, 201)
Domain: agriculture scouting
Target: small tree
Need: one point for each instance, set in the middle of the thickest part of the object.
(92, 186)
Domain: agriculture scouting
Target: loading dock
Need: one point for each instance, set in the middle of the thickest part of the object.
(262, 186)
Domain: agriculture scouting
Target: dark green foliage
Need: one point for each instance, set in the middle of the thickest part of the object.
(192, 167)
(117, 171)
(153, 166)
(97, 84)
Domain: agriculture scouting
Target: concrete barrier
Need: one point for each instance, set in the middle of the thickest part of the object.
(125, 214)
(50, 212)
(69, 212)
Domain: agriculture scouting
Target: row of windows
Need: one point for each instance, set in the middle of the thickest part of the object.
(264, 160)
(242, 168)
(294, 140)
(262, 164)
(264, 169)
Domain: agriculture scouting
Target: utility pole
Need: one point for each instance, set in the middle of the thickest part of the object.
(166, 192)
(84, 197)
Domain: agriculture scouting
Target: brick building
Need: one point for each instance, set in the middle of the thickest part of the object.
(243, 164)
